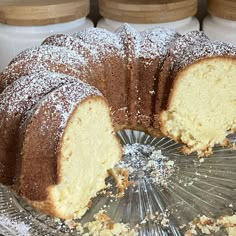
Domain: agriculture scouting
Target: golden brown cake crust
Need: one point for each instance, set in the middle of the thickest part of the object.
(108, 60)
(15, 101)
(154, 46)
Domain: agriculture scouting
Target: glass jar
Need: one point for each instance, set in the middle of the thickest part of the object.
(27, 23)
(174, 14)
(220, 24)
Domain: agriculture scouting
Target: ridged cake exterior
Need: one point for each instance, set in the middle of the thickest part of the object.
(18, 98)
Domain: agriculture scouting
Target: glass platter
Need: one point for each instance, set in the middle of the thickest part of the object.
(167, 191)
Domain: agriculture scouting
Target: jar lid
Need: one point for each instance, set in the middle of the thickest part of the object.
(41, 12)
(222, 8)
(147, 11)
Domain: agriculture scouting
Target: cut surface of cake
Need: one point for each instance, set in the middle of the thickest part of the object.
(199, 107)
(198, 117)
(68, 144)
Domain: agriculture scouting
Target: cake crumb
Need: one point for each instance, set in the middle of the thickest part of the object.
(19, 228)
(210, 226)
(229, 223)
(121, 178)
(104, 226)
(142, 160)
(201, 160)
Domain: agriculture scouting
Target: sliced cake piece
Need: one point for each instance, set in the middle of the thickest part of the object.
(201, 107)
(67, 145)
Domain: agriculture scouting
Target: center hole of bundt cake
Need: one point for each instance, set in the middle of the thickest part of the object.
(146, 161)
(87, 147)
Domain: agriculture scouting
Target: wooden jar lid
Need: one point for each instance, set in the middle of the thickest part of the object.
(147, 11)
(41, 12)
(223, 8)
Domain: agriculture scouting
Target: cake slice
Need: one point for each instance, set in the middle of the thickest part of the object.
(67, 145)
(200, 110)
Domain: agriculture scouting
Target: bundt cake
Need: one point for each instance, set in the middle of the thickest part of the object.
(62, 102)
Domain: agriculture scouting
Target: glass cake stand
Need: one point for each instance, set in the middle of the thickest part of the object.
(166, 192)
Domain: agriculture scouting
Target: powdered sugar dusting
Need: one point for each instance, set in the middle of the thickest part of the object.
(98, 38)
(195, 45)
(22, 95)
(48, 57)
(102, 51)
(67, 41)
(27, 90)
(100, 43)
(131, 39)
(144, 160)
(155, 42)
(46, 52)
(20, 229)
(30, 65)
(15, 101)
(58, 105)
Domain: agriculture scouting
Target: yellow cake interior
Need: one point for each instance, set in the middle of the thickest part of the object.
(89, 148)
(202, 105)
